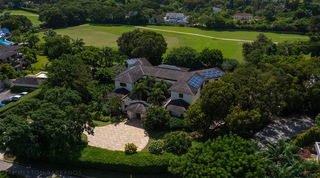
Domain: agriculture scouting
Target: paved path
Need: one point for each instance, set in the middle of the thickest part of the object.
(115, 136)
(195, 34)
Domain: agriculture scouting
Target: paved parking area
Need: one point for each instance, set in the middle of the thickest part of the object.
(287, 128)
(115, 136)
(6, 94)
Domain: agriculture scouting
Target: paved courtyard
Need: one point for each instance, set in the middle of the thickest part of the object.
(115, 136)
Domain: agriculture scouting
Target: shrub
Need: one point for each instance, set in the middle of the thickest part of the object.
(177, 142)
(130, 148)
(308, 137)
(156, 118)
(176, 123)
(156, 147)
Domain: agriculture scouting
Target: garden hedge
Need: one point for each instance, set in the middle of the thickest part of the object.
(307, 138)
(142, 162)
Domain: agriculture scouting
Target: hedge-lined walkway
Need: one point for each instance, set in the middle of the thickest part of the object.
(115, 136)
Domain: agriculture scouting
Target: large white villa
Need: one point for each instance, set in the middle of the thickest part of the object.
(185, 86)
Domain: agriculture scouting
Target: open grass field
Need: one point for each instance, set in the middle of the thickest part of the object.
(31, 16)
(98, 35)
(229, 42)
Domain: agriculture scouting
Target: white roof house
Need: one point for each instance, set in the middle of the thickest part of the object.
(175, 18)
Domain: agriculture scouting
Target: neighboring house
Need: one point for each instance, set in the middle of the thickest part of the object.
(185, 88)
(243, 17)
(27, 82)
(175, 18)
(7, 52)
(32, 81)
(216, 9)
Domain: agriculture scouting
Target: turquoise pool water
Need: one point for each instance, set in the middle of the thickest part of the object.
(5, 42)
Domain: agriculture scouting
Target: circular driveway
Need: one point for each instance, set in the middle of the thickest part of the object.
(115, 136)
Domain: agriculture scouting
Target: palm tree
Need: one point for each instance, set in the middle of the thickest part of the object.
(32, 40)
(163, 86)
(282, 162)
(77, 45)
(106, 54)
(156, 96)
(49, 33)
(150, 81)
(140, 89)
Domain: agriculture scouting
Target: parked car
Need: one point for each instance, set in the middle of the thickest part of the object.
(15, 97)
(23, 93)
(6, 101)
(1, 105)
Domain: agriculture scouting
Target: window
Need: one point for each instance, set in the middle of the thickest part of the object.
(123, 84)
(180, 95)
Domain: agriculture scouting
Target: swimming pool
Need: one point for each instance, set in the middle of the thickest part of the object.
(5, 42)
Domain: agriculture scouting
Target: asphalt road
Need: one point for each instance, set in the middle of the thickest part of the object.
(34, 172)
(6, 94)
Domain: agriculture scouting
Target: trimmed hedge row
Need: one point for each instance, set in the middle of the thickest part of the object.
(142, 162)
(13, 104)
(308, 138)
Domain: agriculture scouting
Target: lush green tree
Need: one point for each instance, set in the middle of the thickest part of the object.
(156, 118)
(177, 142)
(150, 82)
(77, 45)
(156, 147)
(163, 86)
(16, 22)
(148, 44)
(140, 89)
(31, 39)
(49, 33)
(114, 104)
(70, 72)
(211, 57)
(104, 75)
(228, 156)
(17, 136)
(243, 123)
(7, 72)
(212, 108)
(156, 96)
(183, 57)
(282, 162)
(52, 16)
(57, 45)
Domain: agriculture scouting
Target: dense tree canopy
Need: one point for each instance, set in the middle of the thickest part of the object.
(228, 156)
(148, 44)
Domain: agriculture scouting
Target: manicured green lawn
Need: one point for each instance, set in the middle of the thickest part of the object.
(98, 35)
(33, 17)
(40, 65)
(243, 35)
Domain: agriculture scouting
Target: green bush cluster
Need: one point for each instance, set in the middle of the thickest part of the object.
(176, 123)
(142, 162)
(130, 148)
(308, 137)
(177, 142)
(156, 147)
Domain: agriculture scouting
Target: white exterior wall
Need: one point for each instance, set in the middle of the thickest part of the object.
(129, 86)
(187, 98)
